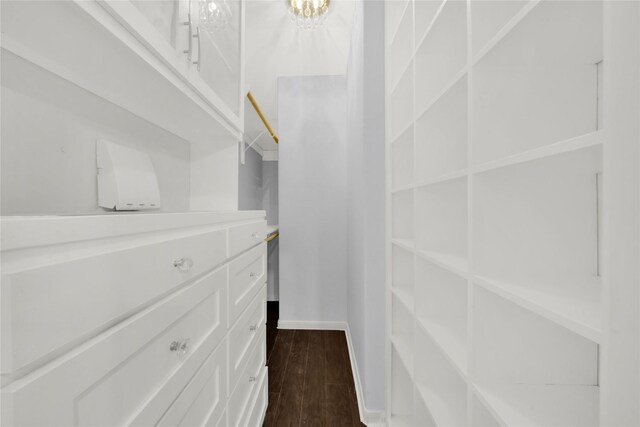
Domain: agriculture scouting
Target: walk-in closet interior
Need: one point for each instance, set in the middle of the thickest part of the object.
(415, 213)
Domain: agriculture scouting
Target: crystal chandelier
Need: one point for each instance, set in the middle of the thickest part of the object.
(308, 13)
(215, 14)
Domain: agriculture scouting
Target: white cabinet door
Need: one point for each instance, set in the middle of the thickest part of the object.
(203, 48)
(217, 25)
(162, 25)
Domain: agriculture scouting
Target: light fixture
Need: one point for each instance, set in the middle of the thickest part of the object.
(215, 15)
(308, 13)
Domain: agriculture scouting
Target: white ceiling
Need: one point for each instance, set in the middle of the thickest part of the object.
(275, 47)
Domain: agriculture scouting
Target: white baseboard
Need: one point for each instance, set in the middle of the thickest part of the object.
(312, 325)
(370, 418)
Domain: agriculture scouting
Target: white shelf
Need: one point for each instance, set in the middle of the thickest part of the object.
(405, 244)
(441, 218)
(494, 20)
(592, 139)
(401, 105)
(446, 409)
(396, 11)
(402, 161)
(427, 13)
(402, 268)
(404, 350)
(423, 108)
(539, 84)
(405, 297)
(441, 135)
(442, 54)
(438, 383)
(400, 407)
(512, 345)
(402, 206)
(443, 178)
(480, 415)
(453, 263)
(542, 405)
(453, 346)
(577, 307)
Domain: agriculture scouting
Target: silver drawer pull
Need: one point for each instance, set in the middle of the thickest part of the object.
(180, 347)
(183, 264)
(252, 379)
(256, 235)
(253, 327)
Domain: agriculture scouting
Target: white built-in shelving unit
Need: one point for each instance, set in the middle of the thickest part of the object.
(495, 139)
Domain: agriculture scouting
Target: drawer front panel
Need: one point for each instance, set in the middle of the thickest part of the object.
(48, 307)
(204, 399)
(239, 406)
(242, 237)
(260, 406)
(244, 335)
(246, 276)
(131, 373)
(221, 422)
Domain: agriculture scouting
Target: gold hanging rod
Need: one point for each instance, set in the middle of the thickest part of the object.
(262, 117)
(272, 236)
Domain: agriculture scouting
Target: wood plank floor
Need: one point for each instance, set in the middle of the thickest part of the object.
(310, 378)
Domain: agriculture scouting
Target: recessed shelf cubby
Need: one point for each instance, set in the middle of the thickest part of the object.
(425, 11)
(536, 236)
(403, 215)
(401, 46)
(402, 328)
(402, 160)
(441, 54)
(442, 221)
(401, 405)
(401, 104)
(480, 415)
(438, 384)
(539, 84)
(489, 17)
(402, 272)
(441, 135)
(441, 311)
(530, 370)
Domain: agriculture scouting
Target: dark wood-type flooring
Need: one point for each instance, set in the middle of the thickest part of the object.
(310, 377)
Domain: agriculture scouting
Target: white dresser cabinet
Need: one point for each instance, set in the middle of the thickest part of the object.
(110, 322)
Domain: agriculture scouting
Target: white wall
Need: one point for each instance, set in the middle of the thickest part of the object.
(250, 181)
(312, 199)
(366, 199)
(270, 204)
(49, 151)
(270, 190)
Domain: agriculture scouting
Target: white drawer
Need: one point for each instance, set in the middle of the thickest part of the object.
(222, 421)
(260, 405)
(242, 237)
(128, 374)
(65, 295)
(245, 333)
(246, 275)
(239, 406)
(204, 399)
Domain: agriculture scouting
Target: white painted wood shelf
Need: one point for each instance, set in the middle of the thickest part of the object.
(495, 139)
